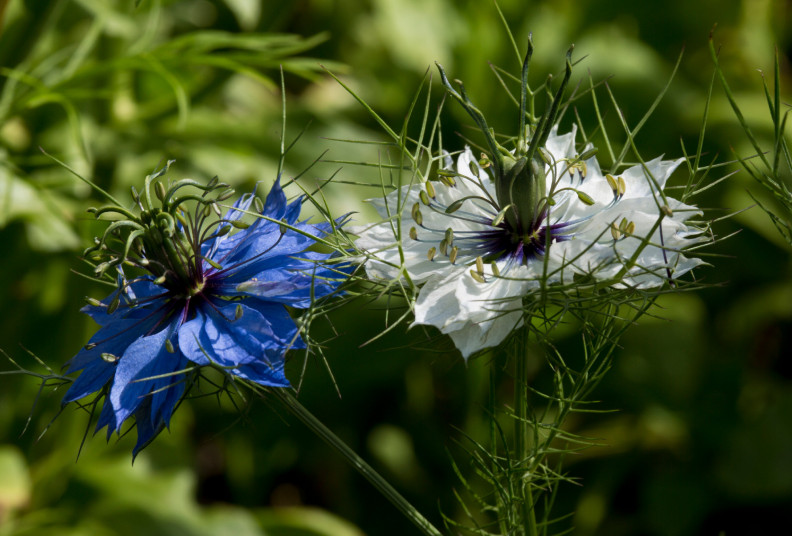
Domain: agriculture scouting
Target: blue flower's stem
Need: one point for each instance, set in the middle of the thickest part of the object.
(409, 511)
(521, 430)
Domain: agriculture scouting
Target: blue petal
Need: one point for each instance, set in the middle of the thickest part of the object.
(135, 292)
(92, 379)
(260, 336)
(263, 374)
(136, 373)
(113, 339)
(147, 428)
(296, 287)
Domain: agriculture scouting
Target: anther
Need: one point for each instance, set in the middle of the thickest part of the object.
(94, 302)
(667, 211)
(169, 346)
(418, 217)
(585, 198)
(454, 253)
(110, 358)
(444, 247)
(431, 253)
(225, 195)
(238, 312)
(423, 197)
(90, 346)
(453, 207)
(430, 189)
(622, 186)
(413, 233)
(615, 233)
(480, 265)
(630, 229)
(449, 235)
(495, 269)
(612, 183)
(475, 275)
(258, 205)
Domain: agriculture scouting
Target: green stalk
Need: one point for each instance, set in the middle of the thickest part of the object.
(521, 431)
(308, 419)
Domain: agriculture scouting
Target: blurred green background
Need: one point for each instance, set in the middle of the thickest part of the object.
(702, 439)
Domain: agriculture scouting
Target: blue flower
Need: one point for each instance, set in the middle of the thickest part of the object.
(205, 296)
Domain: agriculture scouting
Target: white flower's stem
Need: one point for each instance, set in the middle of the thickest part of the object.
(522, 424)
(308, 419)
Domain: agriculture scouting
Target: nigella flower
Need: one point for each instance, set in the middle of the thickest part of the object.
(208, 290)
(487, 233)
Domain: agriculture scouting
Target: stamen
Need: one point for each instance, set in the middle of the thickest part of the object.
(413, 233)
(480, 265)
(475, 275)
(622, 186)
(667, 211)
(430, 189)
(454, 253)
(612, 183)
(495, 269)
(416, 214)
(431, 253)
(110, 358)
(169, 346)
(423, 197)
(615, 233)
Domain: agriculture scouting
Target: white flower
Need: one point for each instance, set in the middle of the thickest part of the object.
(475, 269)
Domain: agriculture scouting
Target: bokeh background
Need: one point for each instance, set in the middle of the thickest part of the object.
(700, 439)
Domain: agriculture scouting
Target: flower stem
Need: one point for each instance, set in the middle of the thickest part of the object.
(521, 430)
(308, 419)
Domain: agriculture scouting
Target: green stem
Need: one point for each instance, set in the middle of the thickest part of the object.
(308, 419)
(521, 430)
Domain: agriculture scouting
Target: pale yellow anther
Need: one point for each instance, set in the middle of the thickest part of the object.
(454, 253)
(622, 186)
(431, 253)
(430, 189)
(413, 233)
(479, 278)
(612, 182)
(444, 247)
(480, 265)
(615, 233)
(495, 269)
